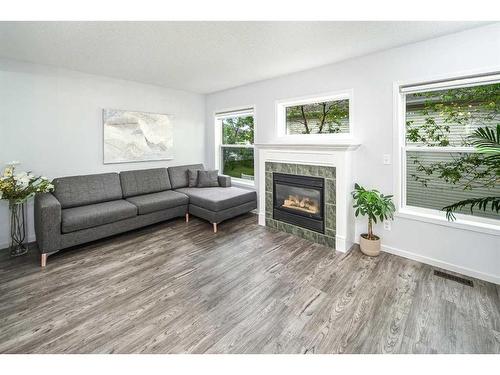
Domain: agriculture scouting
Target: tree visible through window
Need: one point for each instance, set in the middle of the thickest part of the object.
(237, 153)
(237, 130)
(326, 117)
(441, 166)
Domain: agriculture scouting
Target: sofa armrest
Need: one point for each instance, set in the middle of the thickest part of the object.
(47, 223)
(224, 181)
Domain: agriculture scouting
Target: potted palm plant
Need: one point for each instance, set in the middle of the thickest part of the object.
(376, 206)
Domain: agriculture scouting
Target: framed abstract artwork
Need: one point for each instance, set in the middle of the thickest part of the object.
(131, 136)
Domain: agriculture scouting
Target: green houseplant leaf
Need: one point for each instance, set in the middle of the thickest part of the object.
(487, 142)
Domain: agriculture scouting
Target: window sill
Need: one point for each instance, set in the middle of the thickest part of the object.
(238, 182)
(440, 219)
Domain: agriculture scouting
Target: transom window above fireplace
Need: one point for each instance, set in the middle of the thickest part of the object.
(316, 116)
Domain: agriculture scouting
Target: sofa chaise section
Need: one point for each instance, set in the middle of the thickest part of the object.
(214, 204)
(217, 204)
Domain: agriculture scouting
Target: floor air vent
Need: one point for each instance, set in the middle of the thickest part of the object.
(458, 279)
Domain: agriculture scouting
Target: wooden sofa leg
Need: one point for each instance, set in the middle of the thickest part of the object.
(215, 227)
(187, 218)
(44, 260)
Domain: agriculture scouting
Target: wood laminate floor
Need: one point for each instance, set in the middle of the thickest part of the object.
(178, 288)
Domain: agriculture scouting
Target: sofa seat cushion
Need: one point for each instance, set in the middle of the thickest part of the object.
(93, 215)
(158, 201)
(218, 198)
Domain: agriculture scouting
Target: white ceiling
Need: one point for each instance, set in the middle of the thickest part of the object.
(205, 57)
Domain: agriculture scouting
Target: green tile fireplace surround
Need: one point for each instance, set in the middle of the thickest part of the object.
(328, 173)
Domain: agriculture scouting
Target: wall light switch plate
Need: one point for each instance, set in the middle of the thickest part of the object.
(387, 159)
(387, 225)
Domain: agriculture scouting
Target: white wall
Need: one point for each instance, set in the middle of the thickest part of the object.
(371, 78)
(51, 121)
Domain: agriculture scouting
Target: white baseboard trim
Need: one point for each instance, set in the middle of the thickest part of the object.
(262, 218)
(342, 245)
(445, 265)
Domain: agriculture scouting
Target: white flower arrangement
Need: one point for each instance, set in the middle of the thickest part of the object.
(21, 186)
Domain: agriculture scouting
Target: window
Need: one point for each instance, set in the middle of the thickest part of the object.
(440, 164)
(316, 116)
(236, 151)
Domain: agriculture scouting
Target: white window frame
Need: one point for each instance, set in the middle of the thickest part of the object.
(281, 106)
(227, 113)
(401, 89)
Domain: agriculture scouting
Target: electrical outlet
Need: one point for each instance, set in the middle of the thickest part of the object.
(387, 159)
(387, 225)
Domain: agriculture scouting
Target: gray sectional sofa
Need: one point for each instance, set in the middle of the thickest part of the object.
(90, 207)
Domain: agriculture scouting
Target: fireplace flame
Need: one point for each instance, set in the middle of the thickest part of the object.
(304, 204)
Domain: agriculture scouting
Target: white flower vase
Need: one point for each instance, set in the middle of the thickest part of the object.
(18, 245)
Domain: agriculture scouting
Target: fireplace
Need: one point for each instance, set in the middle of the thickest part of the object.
(299, 200)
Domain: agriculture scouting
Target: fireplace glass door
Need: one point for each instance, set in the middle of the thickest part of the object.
(298, 200)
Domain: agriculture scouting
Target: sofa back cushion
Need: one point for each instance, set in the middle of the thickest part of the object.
(77, 191)
(144, 181)
(179, 176)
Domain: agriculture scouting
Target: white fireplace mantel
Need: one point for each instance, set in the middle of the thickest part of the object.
(338, 146)
(336, 155)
